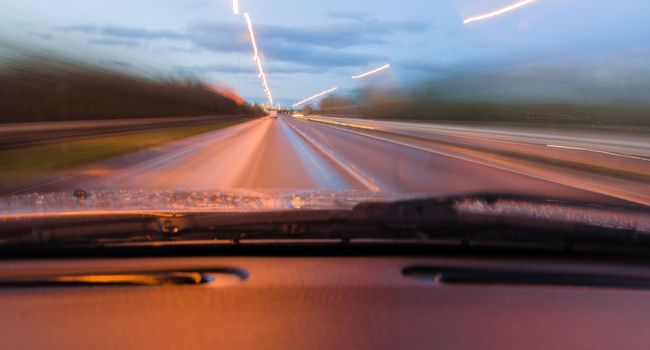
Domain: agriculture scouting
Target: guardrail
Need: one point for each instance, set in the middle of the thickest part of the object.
(23, 134)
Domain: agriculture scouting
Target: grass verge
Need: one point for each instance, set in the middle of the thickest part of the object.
(22, 164)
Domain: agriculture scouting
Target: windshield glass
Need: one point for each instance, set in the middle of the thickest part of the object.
(238, 105)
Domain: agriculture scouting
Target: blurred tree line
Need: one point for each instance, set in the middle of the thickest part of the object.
(48, 89)
(423, 104)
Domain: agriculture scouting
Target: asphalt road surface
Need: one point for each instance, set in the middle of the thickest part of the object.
(298, 154)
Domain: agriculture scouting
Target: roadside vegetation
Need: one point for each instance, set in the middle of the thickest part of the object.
(24, 163)
(423, 104)
(54, 89)
(50, 89)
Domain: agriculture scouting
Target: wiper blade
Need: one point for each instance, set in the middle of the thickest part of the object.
(514, 217)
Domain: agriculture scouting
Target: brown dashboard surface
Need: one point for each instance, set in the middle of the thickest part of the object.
(317, 303)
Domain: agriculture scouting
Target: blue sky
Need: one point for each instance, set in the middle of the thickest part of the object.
(308, 46)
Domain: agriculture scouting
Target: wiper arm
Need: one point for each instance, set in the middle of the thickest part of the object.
(466, 219)
(368, 220)
(91, 227)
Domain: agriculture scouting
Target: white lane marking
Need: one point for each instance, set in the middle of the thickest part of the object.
(319, 169)
(483, 132)
(599, 151)
(624, 195)
(365, 181)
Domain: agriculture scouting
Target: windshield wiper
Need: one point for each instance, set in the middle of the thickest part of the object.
(479, 219)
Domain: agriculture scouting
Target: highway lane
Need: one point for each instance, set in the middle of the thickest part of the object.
(624, 151)
(610, 162)
(622, 141)
(261, 153)
(294, 154)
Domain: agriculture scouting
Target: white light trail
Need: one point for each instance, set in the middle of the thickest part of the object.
(315, 96)
(257, 59)
(599, 151)
(377, 70)
(235, 7)
(499, 11)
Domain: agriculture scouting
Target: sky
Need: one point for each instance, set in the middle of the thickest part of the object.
(311, 45)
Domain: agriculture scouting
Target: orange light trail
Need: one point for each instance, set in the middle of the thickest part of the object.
(257, 59)
(499, 11)
(377, 70)
(235, 7)
(315, 96)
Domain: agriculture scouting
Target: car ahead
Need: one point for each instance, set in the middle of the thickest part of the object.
(273, 115)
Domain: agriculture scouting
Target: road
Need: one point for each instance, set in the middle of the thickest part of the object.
(297, 154)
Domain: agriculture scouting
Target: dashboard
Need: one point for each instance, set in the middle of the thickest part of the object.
(334, 302)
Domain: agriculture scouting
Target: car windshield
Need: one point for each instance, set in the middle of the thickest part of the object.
(241, 105)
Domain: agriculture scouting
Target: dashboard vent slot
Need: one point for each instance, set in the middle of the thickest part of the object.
(165, 278)
(491, 276)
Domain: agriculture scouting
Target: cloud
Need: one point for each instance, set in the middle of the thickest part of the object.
(40, 35)
(321, 58)
(183, 49)
(124, 32)
(80, 28)
(432, 69)
(117, 63)
(314, 46)
(323, 45)
(334, 36)
(247, 68)
(139, 33)
(350, 15)
(223, 68)
(114, 42)
(219, 37)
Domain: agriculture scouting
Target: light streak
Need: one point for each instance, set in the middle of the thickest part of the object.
(235, 6)
(599, 151)
(315, 96)
(258, 60)
(377, 70)
(499, 11)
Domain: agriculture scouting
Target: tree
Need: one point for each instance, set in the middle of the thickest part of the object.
(307, 110)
